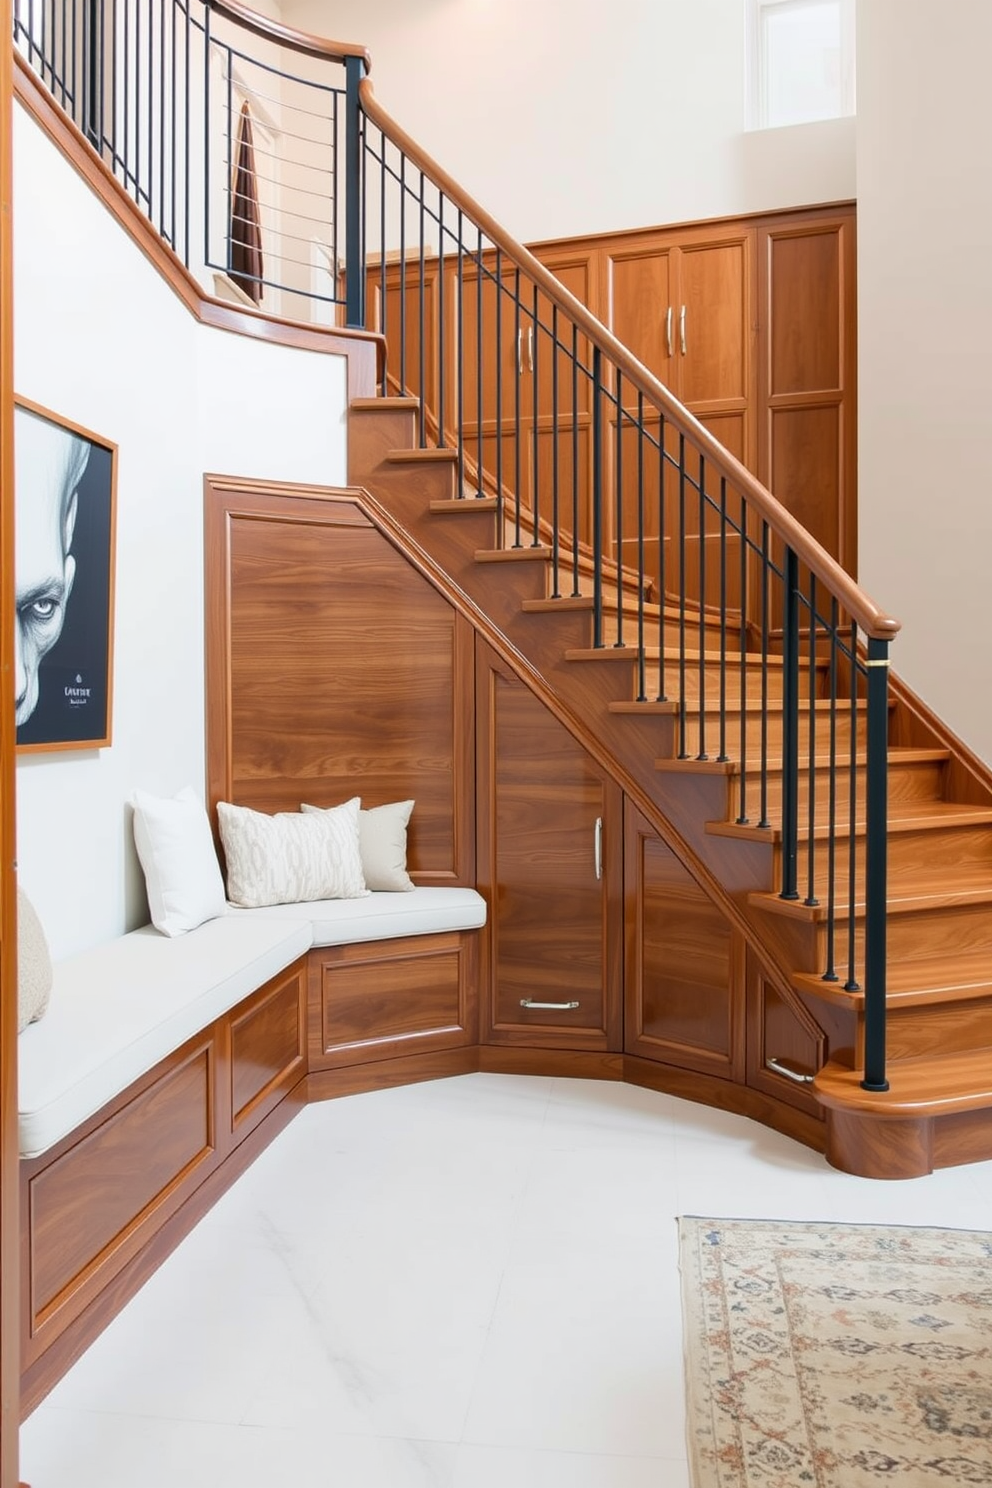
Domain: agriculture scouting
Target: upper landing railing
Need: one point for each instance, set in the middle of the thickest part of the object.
(262, 156)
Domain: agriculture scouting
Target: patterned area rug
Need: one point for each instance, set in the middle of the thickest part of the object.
(836, 1355)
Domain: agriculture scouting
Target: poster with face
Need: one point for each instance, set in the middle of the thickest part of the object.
(64, 499)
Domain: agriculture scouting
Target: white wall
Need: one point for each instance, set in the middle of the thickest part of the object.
(565, 117)
(925, 328)
(101, 338)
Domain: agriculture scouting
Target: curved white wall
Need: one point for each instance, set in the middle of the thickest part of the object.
(101, 338)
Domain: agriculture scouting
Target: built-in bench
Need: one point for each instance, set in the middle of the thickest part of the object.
(163, 1066)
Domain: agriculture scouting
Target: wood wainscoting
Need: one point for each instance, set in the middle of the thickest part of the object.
(104, 1207)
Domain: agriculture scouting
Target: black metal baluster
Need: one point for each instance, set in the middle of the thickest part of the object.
(501, 537)
(742, 817)
(184, 153)
(683, 719)
(618, 507)
(576, 587)
(518, 461)
(876, 863)
(460, 360)
(555, 512)
(790, 728)
(162, 112)
(404, 384)
(811, 899)
(422, 324)
(852, 984)
(206, 135)
(662, 566)
(229, 190)
(830, 973)
(479, 371)
(702, 755)
(532, 360)
(641, 663)
(383, 296)
(440, 327)
(765, 580)
(723, 756)
(597, 497)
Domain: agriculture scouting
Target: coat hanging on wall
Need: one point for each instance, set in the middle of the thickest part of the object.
(245, 255)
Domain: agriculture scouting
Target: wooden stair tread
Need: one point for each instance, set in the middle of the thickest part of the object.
(921, 982)
(897, 755)
(904, 898)
(428, 456)
(464, 504)
(366, 405)
(645, 708)
(512, 555)
(903, 816)
(562, 602)
(927, 1085)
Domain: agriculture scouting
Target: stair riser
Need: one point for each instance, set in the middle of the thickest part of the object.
(913, 782)
(753, 736)
(755, 688)
(944, 1028)
(914, 857)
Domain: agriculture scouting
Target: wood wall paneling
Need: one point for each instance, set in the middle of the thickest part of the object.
(387, 999)
(684, 964)
(341, 670)
(268, 1048)
(783, 1030)
(554, 930)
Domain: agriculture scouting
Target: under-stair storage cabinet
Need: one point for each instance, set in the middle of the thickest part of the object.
(549, 838)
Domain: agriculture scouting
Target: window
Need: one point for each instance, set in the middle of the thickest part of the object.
(800, 61)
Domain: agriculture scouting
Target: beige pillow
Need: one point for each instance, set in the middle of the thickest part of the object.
(290, 858)
(34, 965)
(382, 843)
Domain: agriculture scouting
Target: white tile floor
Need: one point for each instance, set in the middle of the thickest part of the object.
(466, 1284)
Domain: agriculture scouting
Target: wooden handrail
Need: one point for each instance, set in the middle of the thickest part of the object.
(872, 620)
(286, 36)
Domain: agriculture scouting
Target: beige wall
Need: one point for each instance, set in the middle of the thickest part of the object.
(571, 116)
(925, 332)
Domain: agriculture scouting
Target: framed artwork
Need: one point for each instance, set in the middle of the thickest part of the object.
(65, 486)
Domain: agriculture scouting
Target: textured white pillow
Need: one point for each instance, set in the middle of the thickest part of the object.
(290, 858)
(34, 966)
(382, 844)
(176, 848)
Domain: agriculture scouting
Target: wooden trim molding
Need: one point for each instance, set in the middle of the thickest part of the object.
(9, 1162)
(365, 350)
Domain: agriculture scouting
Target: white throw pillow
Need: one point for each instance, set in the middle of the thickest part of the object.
(290, 858)
(382, 844)
(176, 848)
(34, 966)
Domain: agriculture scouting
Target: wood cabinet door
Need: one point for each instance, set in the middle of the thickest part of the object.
(684, 968)
(785, 1047)
(554, 933)
(713, 333)
(643, 311)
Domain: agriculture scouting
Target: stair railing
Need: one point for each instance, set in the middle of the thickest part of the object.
(769, 657)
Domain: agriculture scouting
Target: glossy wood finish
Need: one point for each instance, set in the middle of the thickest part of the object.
(9, 1183)
(385, 1074)
(684, 972)
(392, 998)
(320, 691)
(782, 1032)
(554, 934)
(286, 36)
(93, 1205)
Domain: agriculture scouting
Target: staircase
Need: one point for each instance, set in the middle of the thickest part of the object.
(726, 821)
(727, 674)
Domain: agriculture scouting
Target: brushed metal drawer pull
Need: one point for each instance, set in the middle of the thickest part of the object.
(549, 1007)
(796, 1076)
(597, 848)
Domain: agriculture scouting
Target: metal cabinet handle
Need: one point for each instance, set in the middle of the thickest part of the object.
(555, 1007)
(520, 342)
(796, 1076)
(682, 328)
(530, 348)
(597, 847)
(668, 329)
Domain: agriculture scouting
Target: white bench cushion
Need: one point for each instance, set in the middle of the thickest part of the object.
(118, 1009)
(424, 911)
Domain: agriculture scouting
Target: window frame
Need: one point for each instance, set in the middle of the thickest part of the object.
(756, 92)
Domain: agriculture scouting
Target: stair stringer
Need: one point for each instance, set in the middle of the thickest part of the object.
(533, 646)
